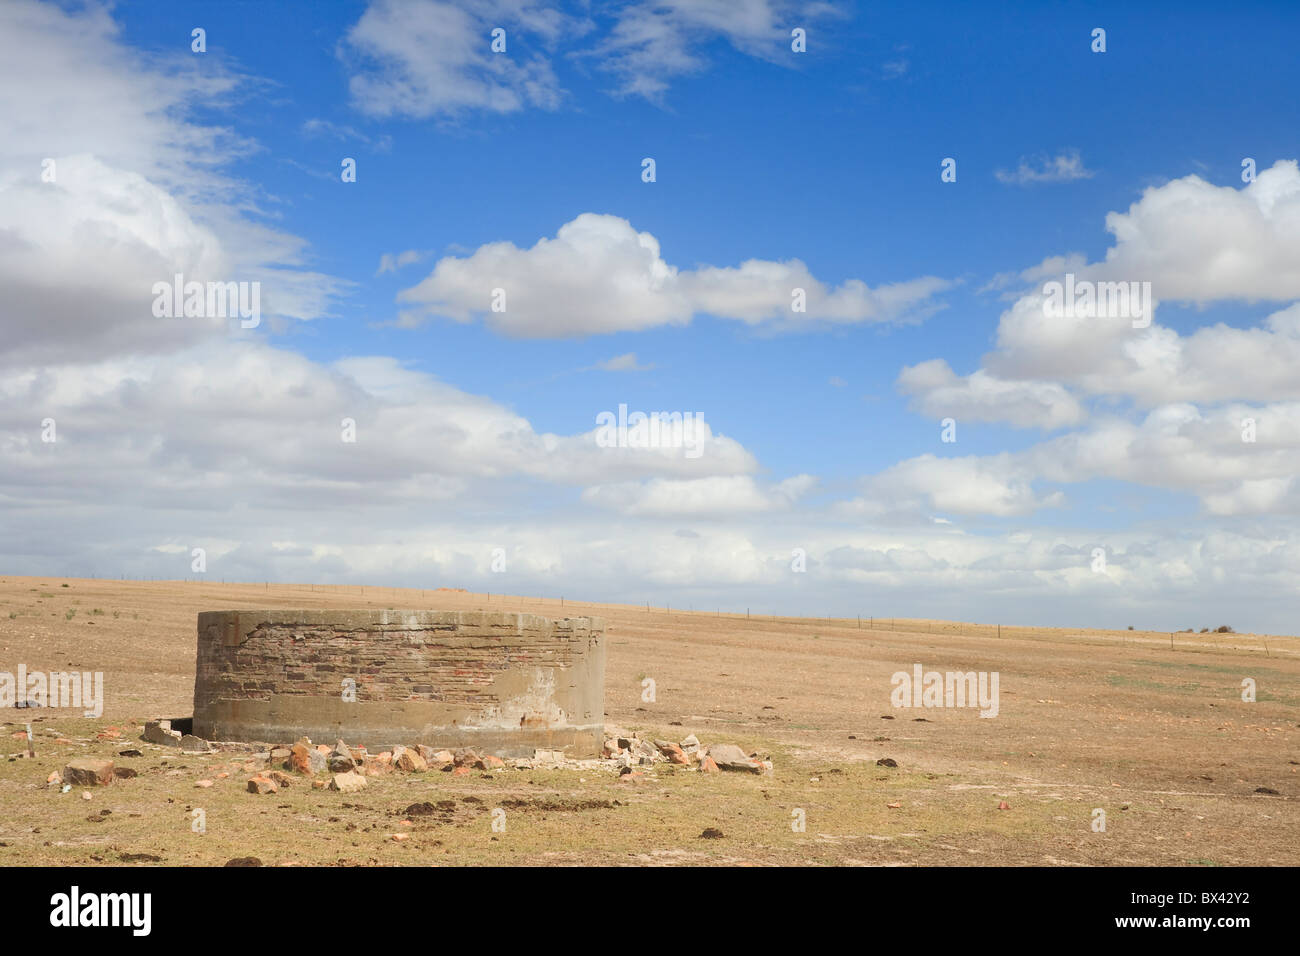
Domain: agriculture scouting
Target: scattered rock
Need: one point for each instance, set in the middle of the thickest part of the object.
(203, 784)
(300, 758)
(1268, 790)
(125, 773)
(375, 766)
(1003, 805)
(194, 744)
(409, 761)
(708, 765)
(731, 757)
(672, 751)
(262, 785)
(160, 732)
(243, 861)
(347, 782)
(886, 762)
(129, 753)
(88, 772)
(548, 758)
(341, 763)
(280, 779)
(711, 833)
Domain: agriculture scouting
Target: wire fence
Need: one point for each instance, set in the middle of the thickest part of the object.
(1271, 645)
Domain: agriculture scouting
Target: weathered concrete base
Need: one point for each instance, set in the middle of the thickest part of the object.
(503, 683)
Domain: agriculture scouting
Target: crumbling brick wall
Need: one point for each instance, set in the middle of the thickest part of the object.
(501, 681)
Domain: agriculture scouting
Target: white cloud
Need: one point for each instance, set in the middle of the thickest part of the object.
(320, 128)
(1196, 244)
(622, 363)
(999, 485)
(429, 58)
(391, 262)
(938, 392)
(135, 197)
(425, 58)
(653, 43)
(1064, 167)
(714, 497)
(263, 421)
(600, 275)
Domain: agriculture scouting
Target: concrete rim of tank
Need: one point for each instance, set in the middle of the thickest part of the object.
(506, 681)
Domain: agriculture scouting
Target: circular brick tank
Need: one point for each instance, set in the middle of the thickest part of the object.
(501, 682)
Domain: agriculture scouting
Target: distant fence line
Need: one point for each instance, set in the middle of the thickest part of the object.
(1211, 640)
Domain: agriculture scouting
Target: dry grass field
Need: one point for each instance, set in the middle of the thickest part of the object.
(1157, 736)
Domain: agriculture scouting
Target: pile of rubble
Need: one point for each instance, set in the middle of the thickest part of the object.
(346, 768)
(632, 750)
(349, 766)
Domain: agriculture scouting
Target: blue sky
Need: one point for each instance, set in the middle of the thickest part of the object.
(830, 158)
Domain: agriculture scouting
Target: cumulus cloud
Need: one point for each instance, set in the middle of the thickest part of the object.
(600, 275)
(999, 485)
(280, 414)
(938, 392)
(1201, 243)
(105, 190)
(1235, 459)
(1196, 244)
